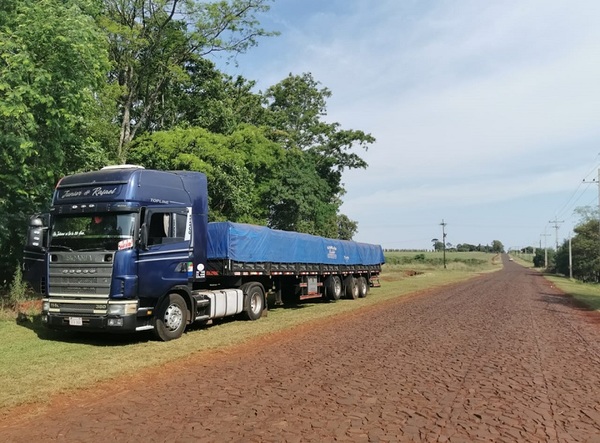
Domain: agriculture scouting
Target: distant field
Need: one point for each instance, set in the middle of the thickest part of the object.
(434, 260)
(525, 259)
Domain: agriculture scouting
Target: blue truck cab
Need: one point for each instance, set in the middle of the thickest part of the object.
(119, 245)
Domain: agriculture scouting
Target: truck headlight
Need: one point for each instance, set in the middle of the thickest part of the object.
(45, 306)
(122, 308)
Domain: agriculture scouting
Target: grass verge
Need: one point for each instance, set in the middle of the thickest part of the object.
(587, 293)
(36, 363)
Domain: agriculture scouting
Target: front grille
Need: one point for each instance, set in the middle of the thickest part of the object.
(74, 275)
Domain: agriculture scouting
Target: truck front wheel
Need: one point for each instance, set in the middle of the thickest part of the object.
(254, 300)
(171, 318)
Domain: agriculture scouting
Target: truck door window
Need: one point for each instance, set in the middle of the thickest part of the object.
(166, 227)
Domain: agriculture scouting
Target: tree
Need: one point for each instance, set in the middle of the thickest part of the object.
(299, 200)
(152, 42)
(586, 253)
(208, 99)
(437, 245)
(239, 167)
(53, 63)
(320, 151)
(346, 227)
(497, 246)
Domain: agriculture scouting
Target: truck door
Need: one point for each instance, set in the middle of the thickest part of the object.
(165, 256)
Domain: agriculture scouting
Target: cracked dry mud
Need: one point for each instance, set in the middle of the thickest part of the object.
(504, 357)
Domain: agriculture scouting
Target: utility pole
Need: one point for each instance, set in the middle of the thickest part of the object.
(570, 259)
(443, 224)
(556, 222)
(545, 247)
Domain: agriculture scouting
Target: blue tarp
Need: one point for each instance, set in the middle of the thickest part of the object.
(249, 243)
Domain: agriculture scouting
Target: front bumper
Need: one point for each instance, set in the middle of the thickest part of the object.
(115, 317)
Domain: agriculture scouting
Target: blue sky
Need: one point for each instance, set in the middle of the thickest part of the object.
(486, 113)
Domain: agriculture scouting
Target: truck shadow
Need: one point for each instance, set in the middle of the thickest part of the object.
(95, 338)
(34, 323)
(591, 315)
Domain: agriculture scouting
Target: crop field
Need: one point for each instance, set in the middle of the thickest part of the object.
(36, 363)
(426, 261)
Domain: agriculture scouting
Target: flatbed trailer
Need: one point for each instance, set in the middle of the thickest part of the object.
(128, 249)
(299, 266)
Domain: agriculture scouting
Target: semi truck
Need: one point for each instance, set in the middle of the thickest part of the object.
(127, 249)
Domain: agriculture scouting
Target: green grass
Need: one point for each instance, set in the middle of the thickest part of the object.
(36, 363)
(587, 293)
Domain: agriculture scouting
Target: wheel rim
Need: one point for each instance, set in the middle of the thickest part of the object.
(338, 287)
(173, 317)
(363, 286)
(255, 303)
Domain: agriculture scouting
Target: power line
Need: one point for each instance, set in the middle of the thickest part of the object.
(579, 191)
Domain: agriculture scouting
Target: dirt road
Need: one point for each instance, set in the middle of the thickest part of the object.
(504, 357)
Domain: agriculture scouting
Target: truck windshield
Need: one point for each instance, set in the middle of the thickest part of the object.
(95, 232)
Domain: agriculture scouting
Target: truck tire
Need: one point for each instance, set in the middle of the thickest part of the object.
(171, 318)
(333, 287)
(254, 300)
(351, 287)
(363, 287)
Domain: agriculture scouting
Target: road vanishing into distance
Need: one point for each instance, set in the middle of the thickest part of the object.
(504, 357)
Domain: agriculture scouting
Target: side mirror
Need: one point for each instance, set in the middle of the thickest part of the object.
(35, 233)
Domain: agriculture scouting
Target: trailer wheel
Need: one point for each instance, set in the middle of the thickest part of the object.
(254, 300)
(351, 287)
(171, 318)
(333, 287)
(363, 287)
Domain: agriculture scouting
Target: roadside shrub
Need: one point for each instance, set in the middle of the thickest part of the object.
(12, 301)
(18, 288)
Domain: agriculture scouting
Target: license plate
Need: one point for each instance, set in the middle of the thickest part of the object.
(75, 321)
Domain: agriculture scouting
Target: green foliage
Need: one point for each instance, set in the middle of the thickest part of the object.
(152, 47)
(238, 167)
(209, 99)
(346, 227)
(307, 195)
(18, 288)
(52, 62)
(438, 245)
(497, 246)
(585, 250)
(539, 260)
